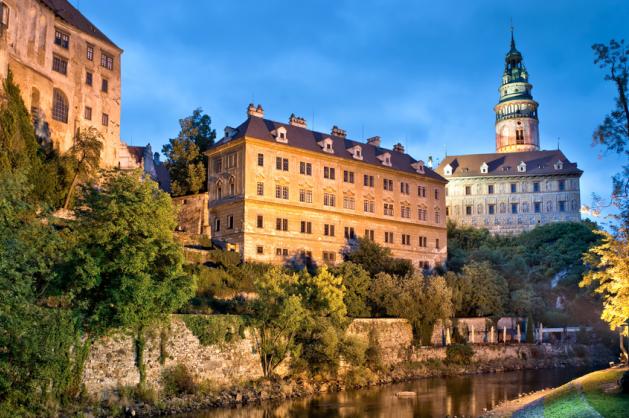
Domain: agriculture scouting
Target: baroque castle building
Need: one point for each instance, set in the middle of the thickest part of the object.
(519, 186)
(68, 72)
(281, 193)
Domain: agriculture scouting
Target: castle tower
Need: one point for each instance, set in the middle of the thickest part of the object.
(516, 112)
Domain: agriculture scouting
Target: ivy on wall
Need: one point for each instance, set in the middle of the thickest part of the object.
(215, 329)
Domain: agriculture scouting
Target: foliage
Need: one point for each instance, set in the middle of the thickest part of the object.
(354, 350)
(85, 157)
(609, 271)
(356, 281)
(215, 329)
(484, 291)
(177, 380)
(375, 258)
(529, 330)
(459, 354)
(185, 158)
(421, 300)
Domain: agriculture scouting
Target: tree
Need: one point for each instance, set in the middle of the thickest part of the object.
(356, 281)
(486, 292)
(85, 157)
(609, 271)
(375, 258)
(185, 158)
(125, 271)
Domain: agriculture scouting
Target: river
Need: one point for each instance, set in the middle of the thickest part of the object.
(462, 396)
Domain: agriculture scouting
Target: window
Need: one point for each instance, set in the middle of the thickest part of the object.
(536, 187)
(562, 185)
(104, 85)
(281, 192)
(406, 239)
(260, 160)
(329, 173)
(106, 61)
(404, 188)
(421, 191)
(349, 202)
(514, 208)
(219, 191)
(4, 10)
(260, 221)
(305, 168)
(348, 176)
(230, 222)
(519, 136)
(329, 257)
(232, 187)
(90, 52)
(260, 188)
(490, 189)
(231, 160)
(259, 249)
(218, 165)
(468, 190)
(425, 265)
(88, 113)
(328, 230)
(468, 210)
(89, 78)
(105, 119)
(514, 188)
(60, 106)
(388, 209)
(421, 213)
(369, 234)
(305, 196)
(491, 209)
(306, 227)
(281, 252)
(437, 246)
(281, 224)
(369, 206)
(437, 216)
(368, 180)
(562, 206)
(436, 194)
(349, 232)
(423, 242)
(405, 211)
(388, 184)
(217, 225)
(329, 199)
(537, 207)
(60, 65)
(62, 39)
(388, 237)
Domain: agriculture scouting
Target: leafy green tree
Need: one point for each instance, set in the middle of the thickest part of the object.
(85, 157)
(375, 258)
(323, 294)
(185, 158)
(126, 270)
(356, 281)
(486, 292)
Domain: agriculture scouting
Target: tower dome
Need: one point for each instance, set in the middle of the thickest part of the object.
(516, 112)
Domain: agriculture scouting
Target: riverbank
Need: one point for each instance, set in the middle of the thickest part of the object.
(594, 395)
(147, 403)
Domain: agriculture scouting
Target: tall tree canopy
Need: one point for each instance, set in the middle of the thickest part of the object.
(85, 158)
(185, 158)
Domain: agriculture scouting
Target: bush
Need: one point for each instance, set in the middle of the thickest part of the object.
(215, 329)
(580, 350)
(353, 350)
(177, 380)
(360, 377)
(459, 354)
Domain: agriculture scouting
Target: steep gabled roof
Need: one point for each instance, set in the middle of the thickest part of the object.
(506, 164)
(65, 11)
(306, 139)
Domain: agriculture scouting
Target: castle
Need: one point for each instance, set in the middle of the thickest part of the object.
(519, 186)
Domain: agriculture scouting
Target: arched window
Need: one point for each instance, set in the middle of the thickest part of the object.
(60, 106)
(232, 187)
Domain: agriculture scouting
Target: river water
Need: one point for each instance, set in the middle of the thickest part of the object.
(461, 396)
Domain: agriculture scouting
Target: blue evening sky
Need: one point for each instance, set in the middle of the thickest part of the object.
(423, 73)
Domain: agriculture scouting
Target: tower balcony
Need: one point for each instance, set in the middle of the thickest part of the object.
(516, 114)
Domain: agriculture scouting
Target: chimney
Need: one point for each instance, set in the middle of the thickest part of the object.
(258, 112)
(374, 140)
(341, 133)
(297, 121)
(398, 148)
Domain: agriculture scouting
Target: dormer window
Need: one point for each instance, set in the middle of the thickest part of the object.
(522, 167)
(356, 151)
(419, 167)
(447, 170)
(385, 158)
(484, 168)
(559, 165)
(327, 145)
(280, 135)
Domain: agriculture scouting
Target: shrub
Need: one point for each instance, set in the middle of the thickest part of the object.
(459, 354)
(360, 377)
(177, 380)
(373, 354)
(215, 329)
(580, 350)
(353, 350)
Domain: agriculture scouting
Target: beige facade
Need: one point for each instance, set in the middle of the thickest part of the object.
(276, 199)
(68, 72)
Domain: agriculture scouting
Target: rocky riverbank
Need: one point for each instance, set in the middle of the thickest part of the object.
(278, 389)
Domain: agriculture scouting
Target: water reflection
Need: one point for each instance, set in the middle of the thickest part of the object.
(436, 397)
